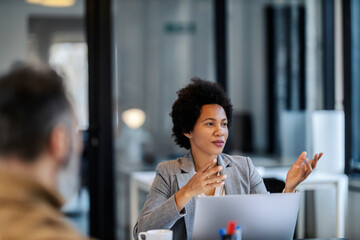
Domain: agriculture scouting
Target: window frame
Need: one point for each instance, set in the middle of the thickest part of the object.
(351, 92)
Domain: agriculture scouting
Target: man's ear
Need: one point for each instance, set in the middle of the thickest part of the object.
(59, 142)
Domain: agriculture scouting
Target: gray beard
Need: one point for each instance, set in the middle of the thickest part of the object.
(68, 180)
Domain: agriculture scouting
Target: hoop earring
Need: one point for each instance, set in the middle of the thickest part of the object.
(187, 135)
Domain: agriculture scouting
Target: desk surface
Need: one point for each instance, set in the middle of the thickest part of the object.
(322, 239)
(146, 178)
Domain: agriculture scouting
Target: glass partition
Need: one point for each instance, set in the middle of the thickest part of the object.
(159, 46)
(275, 65)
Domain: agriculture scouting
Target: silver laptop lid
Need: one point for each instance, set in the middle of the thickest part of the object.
(261, 216)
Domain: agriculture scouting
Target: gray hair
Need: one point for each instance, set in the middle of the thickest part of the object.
(32, 102)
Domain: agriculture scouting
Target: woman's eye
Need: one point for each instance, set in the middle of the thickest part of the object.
(225, 124)
(209, 124)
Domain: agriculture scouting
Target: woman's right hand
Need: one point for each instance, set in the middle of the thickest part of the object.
(204, 180)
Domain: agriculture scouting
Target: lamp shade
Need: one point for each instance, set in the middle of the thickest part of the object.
(133, 117)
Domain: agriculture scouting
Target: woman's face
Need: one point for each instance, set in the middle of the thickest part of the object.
(210, 131)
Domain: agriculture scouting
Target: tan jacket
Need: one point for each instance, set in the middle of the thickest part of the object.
(29, 211)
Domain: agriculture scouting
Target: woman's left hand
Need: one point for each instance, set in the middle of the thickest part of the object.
(300, 170)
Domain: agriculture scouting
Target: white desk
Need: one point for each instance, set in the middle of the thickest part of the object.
(317, 180)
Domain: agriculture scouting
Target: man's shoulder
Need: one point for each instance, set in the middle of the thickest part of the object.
(21, 220)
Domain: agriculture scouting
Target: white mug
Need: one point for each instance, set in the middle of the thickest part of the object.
(157, 234)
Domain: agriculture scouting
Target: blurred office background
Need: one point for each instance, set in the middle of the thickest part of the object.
(291, 69)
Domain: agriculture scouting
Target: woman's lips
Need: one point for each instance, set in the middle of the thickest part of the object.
(218, 143)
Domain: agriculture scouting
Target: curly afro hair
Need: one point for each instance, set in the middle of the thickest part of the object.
(186, 109)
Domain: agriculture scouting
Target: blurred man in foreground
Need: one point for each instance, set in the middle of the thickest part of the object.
(37, 141)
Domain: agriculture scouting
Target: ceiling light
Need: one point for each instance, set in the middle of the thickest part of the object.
(53, 3)
(34, 1)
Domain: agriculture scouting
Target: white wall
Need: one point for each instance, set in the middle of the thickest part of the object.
(14, 16)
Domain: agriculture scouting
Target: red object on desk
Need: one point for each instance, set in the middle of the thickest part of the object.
(231, 227)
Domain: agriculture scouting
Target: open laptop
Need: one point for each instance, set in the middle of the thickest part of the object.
(261, 216)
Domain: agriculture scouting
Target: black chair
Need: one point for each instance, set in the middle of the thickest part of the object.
(274, 185)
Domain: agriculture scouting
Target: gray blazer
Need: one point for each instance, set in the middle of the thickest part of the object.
(160, 212)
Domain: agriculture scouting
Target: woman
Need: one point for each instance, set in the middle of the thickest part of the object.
(201, 116)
